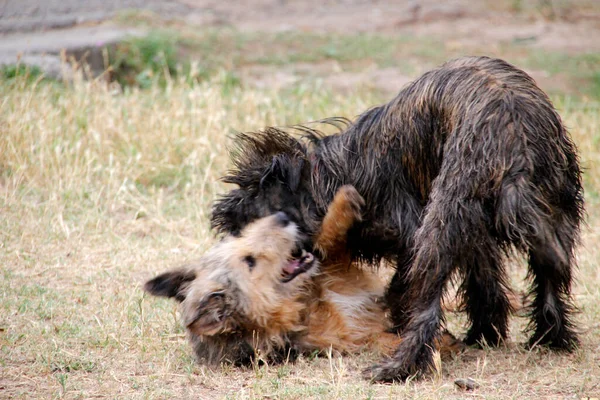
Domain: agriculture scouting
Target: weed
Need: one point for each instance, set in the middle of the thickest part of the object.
(142, 60)
(27, 72)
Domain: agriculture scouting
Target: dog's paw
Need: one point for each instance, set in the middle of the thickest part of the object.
(352, 200)
(386, 371)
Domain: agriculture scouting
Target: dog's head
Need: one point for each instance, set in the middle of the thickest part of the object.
(272, 174)
(252, 282)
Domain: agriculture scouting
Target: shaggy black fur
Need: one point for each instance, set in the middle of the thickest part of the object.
(466, 162)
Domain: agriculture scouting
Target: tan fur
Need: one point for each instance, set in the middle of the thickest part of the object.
(346, 312)
(336, 304)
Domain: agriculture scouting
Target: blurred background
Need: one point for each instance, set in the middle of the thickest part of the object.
(344, 44)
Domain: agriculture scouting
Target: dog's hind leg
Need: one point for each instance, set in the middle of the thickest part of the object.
(484, 291)
(550, 267)
(548, 232)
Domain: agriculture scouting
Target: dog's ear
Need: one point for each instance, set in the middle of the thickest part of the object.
(211, 316)
(284, 169)
(170, 284)
(232, 212)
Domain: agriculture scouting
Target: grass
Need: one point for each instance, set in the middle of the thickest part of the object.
(101, 189)
(13, 71)
(203, 53)
(137, 60)
(199, 55)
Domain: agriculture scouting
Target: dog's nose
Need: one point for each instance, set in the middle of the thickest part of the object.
(282, 218)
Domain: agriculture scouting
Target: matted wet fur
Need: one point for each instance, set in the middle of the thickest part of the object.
(466, 163)
(252, 295)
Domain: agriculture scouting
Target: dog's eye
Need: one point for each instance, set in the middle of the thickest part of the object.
(251, 261)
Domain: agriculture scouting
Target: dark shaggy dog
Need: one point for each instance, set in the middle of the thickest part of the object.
(465, 163)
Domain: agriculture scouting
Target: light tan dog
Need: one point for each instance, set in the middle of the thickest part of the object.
(257, 294)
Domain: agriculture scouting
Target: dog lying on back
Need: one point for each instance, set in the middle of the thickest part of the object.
(260, 295)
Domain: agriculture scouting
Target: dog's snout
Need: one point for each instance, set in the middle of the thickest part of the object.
(282, 218)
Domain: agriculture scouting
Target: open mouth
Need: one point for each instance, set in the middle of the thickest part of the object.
(300, 262)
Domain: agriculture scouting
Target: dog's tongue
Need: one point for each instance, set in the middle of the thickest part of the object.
(292, 266)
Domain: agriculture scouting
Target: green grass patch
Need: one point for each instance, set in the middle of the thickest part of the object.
(141, 61)
(13, 71)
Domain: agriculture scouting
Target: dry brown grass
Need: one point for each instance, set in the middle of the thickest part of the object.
(100, 190)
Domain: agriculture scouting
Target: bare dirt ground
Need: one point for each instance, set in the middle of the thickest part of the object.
(461, 21)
